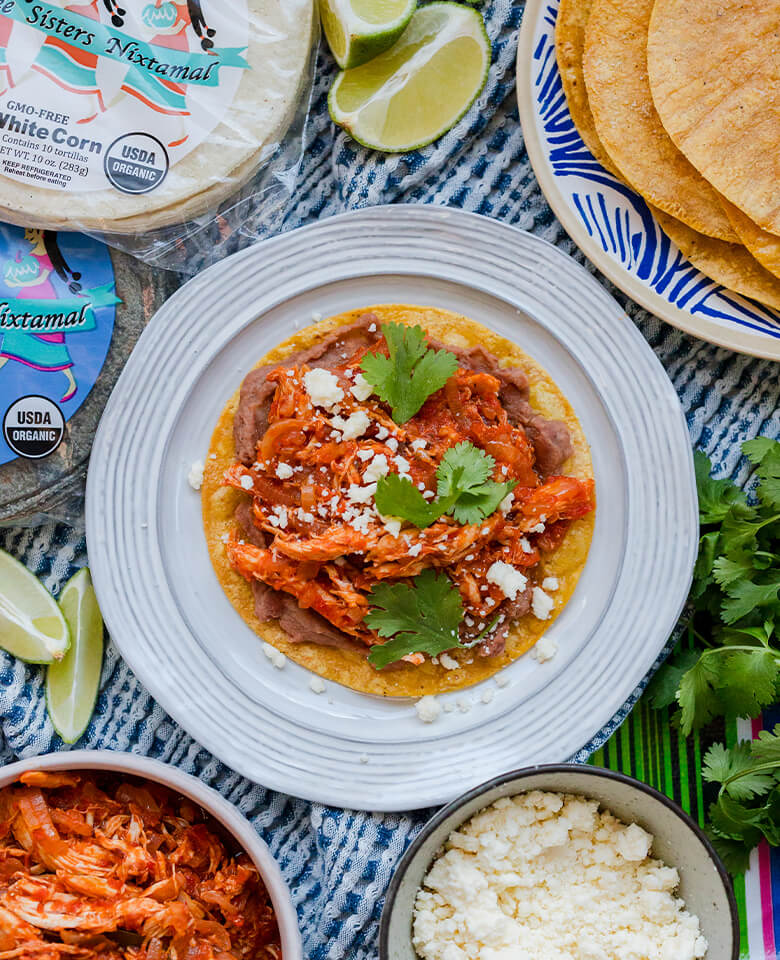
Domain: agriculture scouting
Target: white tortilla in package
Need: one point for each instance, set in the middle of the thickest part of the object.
(171, 128)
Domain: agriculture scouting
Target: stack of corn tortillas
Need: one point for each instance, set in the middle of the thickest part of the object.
(681, 102)
(150, 114)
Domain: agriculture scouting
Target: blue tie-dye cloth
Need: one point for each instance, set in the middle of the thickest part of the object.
(338, 863)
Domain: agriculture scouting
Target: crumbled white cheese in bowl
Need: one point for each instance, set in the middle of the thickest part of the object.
(552, 876)
(560, 862)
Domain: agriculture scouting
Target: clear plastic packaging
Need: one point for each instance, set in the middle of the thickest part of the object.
(171, 129)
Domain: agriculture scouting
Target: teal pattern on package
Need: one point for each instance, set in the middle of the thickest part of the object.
(147, 62)
(57, 310)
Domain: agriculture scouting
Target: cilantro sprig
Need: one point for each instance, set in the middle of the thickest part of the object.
(747, 808)
(463, 490)
(423, 616)
(412, 371)
(733, 668)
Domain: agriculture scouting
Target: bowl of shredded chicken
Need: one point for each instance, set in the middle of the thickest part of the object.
(107, 856)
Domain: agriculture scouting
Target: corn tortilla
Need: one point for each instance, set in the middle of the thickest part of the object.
(569, 48)
(714, 68)
(349, 667)
(764, 246)
(726, 263)
(628, 126)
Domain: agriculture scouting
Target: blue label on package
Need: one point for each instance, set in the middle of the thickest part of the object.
(57, 310)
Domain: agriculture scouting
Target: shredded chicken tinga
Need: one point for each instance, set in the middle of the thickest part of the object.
(110, 868)
(315, 467)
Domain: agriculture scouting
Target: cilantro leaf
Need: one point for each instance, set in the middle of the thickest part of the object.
(721, 764)
(746, 682)
(421, 618)
(463, 490)
(716, 497)
(397, 496)
(739, 529)
(663, 687)
(463, 467)
(696, 696)
(743, 597)
(728, 570)
(735, 820)
(767, 747)
(463, 484)
(480, 502)
(765, 454)
(734, 854)
(412, 371)
(705, 561)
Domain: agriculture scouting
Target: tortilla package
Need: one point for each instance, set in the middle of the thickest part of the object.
(142, 121)
(242, 434)
(71, 310)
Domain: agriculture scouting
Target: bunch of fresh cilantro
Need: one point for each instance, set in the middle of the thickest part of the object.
(734, 668)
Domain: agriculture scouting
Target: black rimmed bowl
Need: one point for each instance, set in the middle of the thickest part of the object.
(704, 884)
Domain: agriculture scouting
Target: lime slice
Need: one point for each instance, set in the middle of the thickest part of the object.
(414, 92)
(31, 624)
(72, 684)
(359, 30)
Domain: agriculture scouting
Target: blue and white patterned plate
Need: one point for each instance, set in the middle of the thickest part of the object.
(613, 225)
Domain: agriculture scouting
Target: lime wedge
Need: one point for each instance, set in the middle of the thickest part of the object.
(358, 30)
(419, 88)
(72, 683)
(31, 624)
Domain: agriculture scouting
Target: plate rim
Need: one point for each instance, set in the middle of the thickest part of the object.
(750, 343)
(405, 217)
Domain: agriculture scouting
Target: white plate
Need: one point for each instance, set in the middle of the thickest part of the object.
(176, 629)
(610, 223)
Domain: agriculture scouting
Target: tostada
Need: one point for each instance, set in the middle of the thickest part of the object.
(399, 499)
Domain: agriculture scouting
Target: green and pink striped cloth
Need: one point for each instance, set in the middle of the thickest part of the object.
(647, 746)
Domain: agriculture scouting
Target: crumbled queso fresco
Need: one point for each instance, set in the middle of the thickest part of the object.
(548, 876)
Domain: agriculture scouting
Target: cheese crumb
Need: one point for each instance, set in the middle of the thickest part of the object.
(428, 709)
(508, 580)
(487, 694)
(362, 389)
(448, 662)
(354, 426)
(276, 657)
(323, 387)
(419, 444)
(284, 471)
(246, 482)
(506, 504)
(548, 875)
(541, 604)
(195, 476)
(392, 525)
(502, 680)
(361, 494)
(550, 583)
(545, 649)
(317, 685)
(379, 467)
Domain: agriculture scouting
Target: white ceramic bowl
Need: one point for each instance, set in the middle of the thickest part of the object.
(704, 884)
(222, 811)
